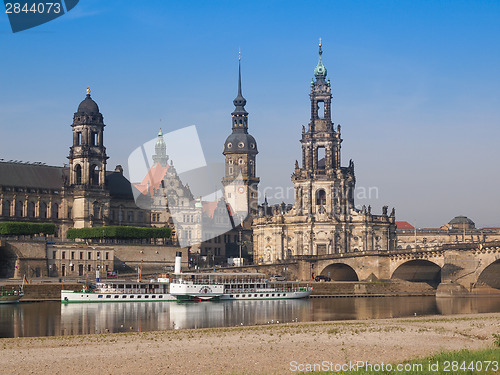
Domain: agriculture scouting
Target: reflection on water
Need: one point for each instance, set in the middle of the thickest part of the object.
(54, 318)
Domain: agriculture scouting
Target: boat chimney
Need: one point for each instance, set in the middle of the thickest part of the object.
(178, 258)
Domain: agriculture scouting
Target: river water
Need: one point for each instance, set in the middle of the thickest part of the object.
(56, 319)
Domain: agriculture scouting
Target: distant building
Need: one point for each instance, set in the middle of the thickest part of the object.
(460, 229)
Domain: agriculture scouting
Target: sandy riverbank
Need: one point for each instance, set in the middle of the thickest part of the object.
(247, 350)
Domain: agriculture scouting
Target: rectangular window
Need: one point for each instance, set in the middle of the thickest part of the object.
(54, 255)
(130, 216)
(63, 255)
(107, 255)
(89, 268)
(72, 255)
(89, 256)
(98, 255)
(81, 254)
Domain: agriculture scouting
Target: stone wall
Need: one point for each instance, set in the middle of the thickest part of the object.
(18, 258)
(155, 259)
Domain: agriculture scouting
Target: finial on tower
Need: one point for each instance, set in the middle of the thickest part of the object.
(239, 54)
(88, 90)
(320, 70)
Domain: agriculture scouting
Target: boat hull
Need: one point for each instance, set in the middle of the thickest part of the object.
(266, 295)
(69, 296)
(10, 299)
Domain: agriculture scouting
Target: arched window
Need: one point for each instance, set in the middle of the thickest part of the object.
(120, 214)
(54, 211)
(6, 208)
(78, 174)
(31, 209)
(94, 175)
(321, 110)
(320, 197)
(97, 210)
(43, 210)
(19, 209)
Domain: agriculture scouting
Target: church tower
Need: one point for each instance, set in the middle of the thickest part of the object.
(323, 188)
(160, 155)
(87, 161)
(240, 151)
(324, 219)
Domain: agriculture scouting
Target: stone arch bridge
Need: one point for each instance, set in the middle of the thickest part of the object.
(469, 265)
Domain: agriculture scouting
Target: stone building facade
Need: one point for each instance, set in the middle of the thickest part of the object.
(81, 194)
(460, 229)
(323, 219)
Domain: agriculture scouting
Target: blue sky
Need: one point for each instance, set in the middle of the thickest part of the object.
(416, 89)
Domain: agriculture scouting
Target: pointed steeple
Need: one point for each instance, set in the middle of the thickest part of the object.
(320, 70)
(239, 102)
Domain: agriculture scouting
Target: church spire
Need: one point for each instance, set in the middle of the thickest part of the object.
(240, 115)
(320, 70)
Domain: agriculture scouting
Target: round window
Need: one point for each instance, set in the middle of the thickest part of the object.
(229, 145)
(241, 145)
(252, 145)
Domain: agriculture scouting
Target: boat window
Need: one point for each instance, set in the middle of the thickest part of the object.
(124, 296)
(131, 296)
(267, 295)
(146, 296)
(138, 296)
(120, 286)
(231, 296)
(160, 296)
(116, 296)
(153, 296)
(237, 296)
(99, 296)
(108, 296)
(255, 295)
(262, 295)
(128, 286)
(272, 295)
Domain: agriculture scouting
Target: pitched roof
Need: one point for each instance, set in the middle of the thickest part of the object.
(119, 187)
(404, 225)
(32, 175)
(152, 180)
(209, 208)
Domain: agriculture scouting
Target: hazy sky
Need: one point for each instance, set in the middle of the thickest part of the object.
(415, 84)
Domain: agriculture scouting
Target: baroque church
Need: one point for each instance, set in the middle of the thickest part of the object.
(324, 219)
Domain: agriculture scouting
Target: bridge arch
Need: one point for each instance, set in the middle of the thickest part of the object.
(418, 270)
(340, 272)
(490, 276)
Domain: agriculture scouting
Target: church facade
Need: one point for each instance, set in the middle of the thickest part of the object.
(324, 219)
